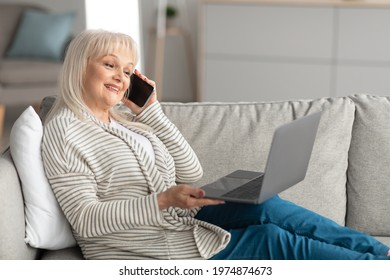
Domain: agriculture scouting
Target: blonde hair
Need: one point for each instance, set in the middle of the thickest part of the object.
(87, 44)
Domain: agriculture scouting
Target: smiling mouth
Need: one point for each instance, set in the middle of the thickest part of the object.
(113, 88)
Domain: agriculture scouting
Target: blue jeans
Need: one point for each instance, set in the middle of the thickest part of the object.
(278, 229)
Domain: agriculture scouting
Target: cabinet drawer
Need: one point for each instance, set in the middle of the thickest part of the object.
(261, 30)
(362, 79)
(264, 81)
(364, 35)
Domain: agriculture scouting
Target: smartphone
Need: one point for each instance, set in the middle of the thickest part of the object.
(139, 91)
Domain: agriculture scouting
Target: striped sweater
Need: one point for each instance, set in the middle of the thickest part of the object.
(107, 186)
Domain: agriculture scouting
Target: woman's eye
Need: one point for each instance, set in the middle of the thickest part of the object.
(127, 73)
(109, 65)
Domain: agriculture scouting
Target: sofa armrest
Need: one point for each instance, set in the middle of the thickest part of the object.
(12, 221)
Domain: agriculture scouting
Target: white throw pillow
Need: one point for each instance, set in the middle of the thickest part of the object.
(46, 225)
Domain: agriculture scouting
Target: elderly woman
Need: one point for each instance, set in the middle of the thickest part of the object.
(121, 175)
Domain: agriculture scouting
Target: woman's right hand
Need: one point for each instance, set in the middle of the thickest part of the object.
(184, 196)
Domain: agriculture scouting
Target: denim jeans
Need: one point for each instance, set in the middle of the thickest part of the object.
(278, 229)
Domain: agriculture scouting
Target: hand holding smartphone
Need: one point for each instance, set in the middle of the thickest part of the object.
(139, 91)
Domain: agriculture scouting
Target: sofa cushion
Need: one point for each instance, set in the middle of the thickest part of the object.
(230, 136)
(72, 253)
(368, 185)
(41, 35)
(10, 15)
(30, 72)
(384, 239)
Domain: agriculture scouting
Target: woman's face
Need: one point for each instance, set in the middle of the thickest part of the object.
(106, 80)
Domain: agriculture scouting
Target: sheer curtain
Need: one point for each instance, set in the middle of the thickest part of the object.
(116, 15)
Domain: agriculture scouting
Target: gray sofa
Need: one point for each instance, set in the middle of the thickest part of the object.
(348, 179)
(23, 80)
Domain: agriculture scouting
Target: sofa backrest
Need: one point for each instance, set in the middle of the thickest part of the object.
(368, 185)
(12, 221)
(230, 136)
(10, 15)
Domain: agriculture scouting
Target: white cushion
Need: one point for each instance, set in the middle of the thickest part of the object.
(46, 225)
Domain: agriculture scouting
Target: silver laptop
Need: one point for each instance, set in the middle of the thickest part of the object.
(286, 166)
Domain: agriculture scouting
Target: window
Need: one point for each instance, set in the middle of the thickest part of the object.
(116, 15)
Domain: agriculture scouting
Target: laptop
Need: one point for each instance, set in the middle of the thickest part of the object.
(287, 163)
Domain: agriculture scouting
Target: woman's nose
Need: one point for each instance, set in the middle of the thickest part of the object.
(119, 75)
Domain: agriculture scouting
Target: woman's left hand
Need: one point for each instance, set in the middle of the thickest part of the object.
(135, 108)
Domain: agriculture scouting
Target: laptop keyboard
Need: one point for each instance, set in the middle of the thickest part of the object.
(249, 190)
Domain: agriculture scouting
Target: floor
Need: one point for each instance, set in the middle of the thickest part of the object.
(11, 115)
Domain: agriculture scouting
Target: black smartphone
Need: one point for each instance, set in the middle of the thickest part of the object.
(139, 91)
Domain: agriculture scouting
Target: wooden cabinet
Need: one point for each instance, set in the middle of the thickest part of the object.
(254, 50)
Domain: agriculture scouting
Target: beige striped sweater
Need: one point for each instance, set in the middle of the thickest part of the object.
(107, 186)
